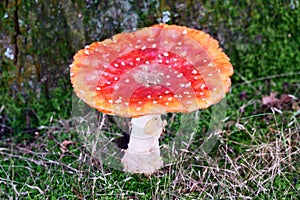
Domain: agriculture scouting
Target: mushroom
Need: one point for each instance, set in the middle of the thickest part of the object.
(149, 72)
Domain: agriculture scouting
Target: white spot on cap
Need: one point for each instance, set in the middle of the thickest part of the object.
(118, 101)
(179, 43)
(71, 74)
(186, 92)
(116, 78)
(175, 59)
(168, 84)
(87, 46)
(188, 84)
(167, 61)
(201, 93)
(138, 59)
(71, 65)
(98, 88)
(126, 104)
(143, 48)
(195, 77)
(210, 74)
(168, 76)
(108, 82)
(180, 75)
(182, 85)
(154, 102)
(116, 65)
(147, 62)
(127, 81)
(86, 52)
(110, 101)
(116, 87)
(184, 32)
(166, 54)
(214, 89)
(160, 97)
(131, 63)
(194, 71)
(166, 42)
(204, 60)
(123, 63)
(202, 86)
(149, 96)
(138, 108)
(170, 99)
(160, 61)
(105, 74)
(167, 103)
(153, 45)
(210, 64)
(115, 41)
(140, 102)
(167, 92)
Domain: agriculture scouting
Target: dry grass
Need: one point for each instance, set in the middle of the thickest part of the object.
(267, 168)
(257, 157)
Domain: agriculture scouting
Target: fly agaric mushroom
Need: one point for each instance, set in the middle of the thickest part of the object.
(143, 74)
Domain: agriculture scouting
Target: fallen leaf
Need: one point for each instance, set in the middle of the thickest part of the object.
(270, 100)
(285, 102)
(64, 146)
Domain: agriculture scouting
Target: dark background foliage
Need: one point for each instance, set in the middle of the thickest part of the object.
(259, 36)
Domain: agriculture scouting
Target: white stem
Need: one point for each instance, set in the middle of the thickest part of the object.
(143, 153)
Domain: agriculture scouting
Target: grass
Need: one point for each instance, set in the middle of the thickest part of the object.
(257, 156)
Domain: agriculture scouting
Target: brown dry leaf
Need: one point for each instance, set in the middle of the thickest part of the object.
(270, 100)
(64, 146)
(285, 101)
(287, 98)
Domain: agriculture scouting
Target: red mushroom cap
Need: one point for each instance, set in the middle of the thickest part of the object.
(158, 69)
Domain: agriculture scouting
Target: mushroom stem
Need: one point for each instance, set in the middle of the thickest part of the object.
(143, 153)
